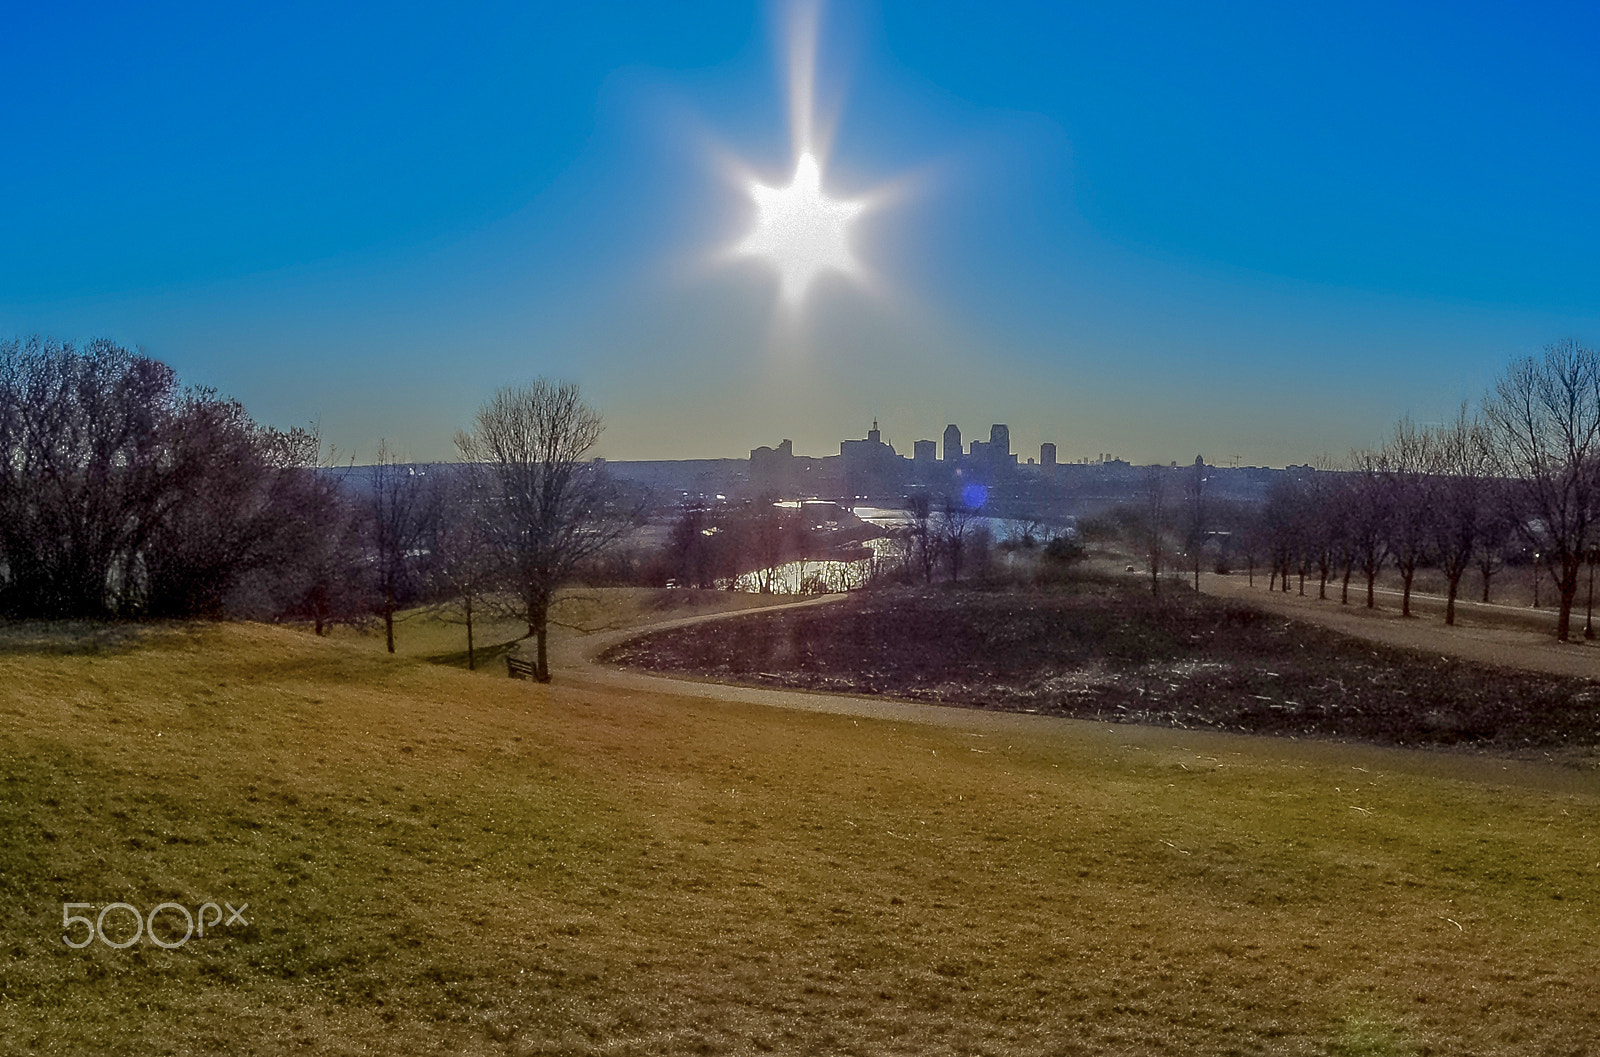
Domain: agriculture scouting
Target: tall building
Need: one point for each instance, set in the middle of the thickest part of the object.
(952, 443)
(1047, 454)
(924, 451)
(1000, 442)
(869, 466)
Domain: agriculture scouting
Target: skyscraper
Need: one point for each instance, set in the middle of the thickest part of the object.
(952, 443)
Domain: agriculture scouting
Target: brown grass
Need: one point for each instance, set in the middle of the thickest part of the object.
(444, 862)
(1101, 647)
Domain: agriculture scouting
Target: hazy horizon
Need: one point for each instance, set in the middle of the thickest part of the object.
(1248, 232)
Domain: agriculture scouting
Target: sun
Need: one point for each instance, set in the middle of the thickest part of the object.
(801, 231)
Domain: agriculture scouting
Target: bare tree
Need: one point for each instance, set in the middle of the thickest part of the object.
(462, 545)
(1496, 532)
(550, 510)
(122, 493)
(1194, 497)
(690, 545)
(1543, 419)
(1409, 486)
(1460, 500)
(1283, 522)
(1325, 525)
(1154, 521)
(85, 473)
(400, 505)
(957, 521)
(1368, 518)
(772, 534)
(924, 536)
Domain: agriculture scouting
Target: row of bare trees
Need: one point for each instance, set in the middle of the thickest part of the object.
(124, 494)
(1522, 471)
(503, 529)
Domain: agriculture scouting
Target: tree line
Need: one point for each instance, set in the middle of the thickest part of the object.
(1518, 474)
(125, 494)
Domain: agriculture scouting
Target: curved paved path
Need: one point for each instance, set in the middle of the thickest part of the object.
(574, 663)
(1491, 634)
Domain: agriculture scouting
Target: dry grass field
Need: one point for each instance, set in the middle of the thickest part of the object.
(1101, 647)
(438, 861)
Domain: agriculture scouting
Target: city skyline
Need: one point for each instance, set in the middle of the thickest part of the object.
(1250, 233)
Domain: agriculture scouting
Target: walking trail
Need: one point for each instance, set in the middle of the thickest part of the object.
(1508, 636)
(574, 661)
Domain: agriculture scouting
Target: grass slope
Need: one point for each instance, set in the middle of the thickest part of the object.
(443, 862)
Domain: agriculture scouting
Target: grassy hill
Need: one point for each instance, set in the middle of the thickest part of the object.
(442, 861)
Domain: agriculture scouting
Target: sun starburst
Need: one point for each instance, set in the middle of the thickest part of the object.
(800, 230)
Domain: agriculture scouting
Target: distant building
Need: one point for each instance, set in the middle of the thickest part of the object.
(924, 451)
(870, 465)
(952, 443)
(773, 468)
(871, 448)
(992, 457)
(1047, 454)
(1000, 442)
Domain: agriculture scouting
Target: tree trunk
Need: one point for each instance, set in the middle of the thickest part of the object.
(388, 616)
(1406, 576)
(1450, 596)
(542, 663)
(1569, 592)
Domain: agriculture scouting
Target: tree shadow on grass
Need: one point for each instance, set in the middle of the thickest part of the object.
(485, 658)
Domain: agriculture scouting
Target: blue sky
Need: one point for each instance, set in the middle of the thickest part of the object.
(1246, 230)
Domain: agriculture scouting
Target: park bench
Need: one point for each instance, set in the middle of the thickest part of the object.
(519, 669)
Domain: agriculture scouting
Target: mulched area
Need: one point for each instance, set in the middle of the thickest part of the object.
(1105, 649)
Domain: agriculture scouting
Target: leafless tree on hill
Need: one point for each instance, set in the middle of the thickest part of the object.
(957, 522)
(1285, 521)
(550, 509)
(924, 538)
(1368, 521)
(689, 545)
(1543, 419)
(1461, 500)
(461, 541)
(1194, 503)
(84, 475)
(1410, 486)
(401, 504)
(1154, 517)
(121, 493)
(772, 536)
(1495, 532)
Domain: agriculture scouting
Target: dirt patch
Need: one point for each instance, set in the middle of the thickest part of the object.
(1104, 649)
